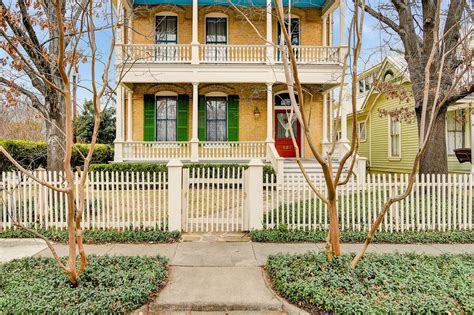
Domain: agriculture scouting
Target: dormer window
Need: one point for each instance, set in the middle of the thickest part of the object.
(365, 84)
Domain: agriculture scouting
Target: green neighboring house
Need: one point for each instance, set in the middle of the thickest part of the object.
(389, 142)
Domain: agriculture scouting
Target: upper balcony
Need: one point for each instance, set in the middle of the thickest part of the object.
(217, 41)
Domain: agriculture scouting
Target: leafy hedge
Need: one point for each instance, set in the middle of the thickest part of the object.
(101, 236)
(283, 235)
(110, 284)
(31, 154)
(161, 167)
(380, 284)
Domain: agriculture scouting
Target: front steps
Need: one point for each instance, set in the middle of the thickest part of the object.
(312, 167)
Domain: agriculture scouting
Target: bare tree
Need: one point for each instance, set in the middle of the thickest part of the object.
(30, 42)
(413, 22)
(77, 29)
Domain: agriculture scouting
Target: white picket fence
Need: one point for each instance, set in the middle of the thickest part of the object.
(236, 199)
(437, 202)
(118, 200)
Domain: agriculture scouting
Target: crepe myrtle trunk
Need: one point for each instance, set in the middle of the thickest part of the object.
(435, 160)
(55, 132)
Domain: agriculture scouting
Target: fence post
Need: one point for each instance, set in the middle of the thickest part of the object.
(254, 192)
(175, 171)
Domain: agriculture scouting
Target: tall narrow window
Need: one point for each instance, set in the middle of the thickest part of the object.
(216, 34)
(293, 28)
(166, 118)
(361, 129)
(456, 130)
(216, 118)
(166, 33)
(395, 142)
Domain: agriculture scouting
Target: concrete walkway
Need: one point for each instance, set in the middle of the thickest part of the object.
(212, 276)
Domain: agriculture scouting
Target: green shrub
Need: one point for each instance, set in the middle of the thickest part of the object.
(283, 235)
(161, 167)
(380, 284)
(101, 236)
(110, 284)
(32, 154)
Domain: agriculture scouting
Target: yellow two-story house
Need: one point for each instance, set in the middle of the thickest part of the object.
(204, 81)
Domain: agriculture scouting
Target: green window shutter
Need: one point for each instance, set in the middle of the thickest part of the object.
(233, 118)
(149, 121)
(182, 123)
(202, 116)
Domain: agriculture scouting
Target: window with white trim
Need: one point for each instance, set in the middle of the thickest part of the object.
(394, 137)
(455, 126)
(166, 33)
(166, 108)
(361, 131)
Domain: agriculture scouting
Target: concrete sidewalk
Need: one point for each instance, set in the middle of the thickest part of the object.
(210, 276)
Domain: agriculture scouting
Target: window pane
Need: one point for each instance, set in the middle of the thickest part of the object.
(160, 108)
(211, 109)
(161, 130)
(171, 130)
(171, 104)
(221, 109)
(211, 130)
(221, 130)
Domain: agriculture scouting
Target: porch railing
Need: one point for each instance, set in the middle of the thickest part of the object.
(232, 150)
(142, 150)
(253, 54)
(139, 53)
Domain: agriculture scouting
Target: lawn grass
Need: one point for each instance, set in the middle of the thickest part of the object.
(110, 284)
(381, 283)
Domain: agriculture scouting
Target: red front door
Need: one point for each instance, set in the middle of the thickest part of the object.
(283, 142)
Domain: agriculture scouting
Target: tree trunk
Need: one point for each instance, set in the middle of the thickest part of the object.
(55, 135)
(334, 234)
(435, 159)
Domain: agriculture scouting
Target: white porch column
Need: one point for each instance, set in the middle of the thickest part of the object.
(325, 118)
(472, 141)
(342, 23)
(118, 143)
(270, 114)
(343, 122)
(130, 116)
(194, 135)
(331, 115)
(195, 41)
(324, 37)
(269, 44)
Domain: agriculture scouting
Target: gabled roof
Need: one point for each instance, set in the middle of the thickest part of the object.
(390, 62)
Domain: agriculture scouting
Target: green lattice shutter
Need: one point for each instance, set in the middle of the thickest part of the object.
(182, 123)
(149, 120)
(202, 118)
(233, 118)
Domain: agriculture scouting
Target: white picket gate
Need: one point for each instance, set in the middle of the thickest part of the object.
(437, 202)
(213, 199)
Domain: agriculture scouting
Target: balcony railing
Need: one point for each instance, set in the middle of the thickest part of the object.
(232, 53)
(248, 54)
(313, 54)
(137, 53)
(232, 150)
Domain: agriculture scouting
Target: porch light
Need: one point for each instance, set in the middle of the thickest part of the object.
(256, 113)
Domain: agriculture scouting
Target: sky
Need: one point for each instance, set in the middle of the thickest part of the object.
(372, 52)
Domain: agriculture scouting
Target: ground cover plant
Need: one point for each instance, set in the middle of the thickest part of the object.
(283, 235)
(381, 284)
(101, 236)
(110, 284)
